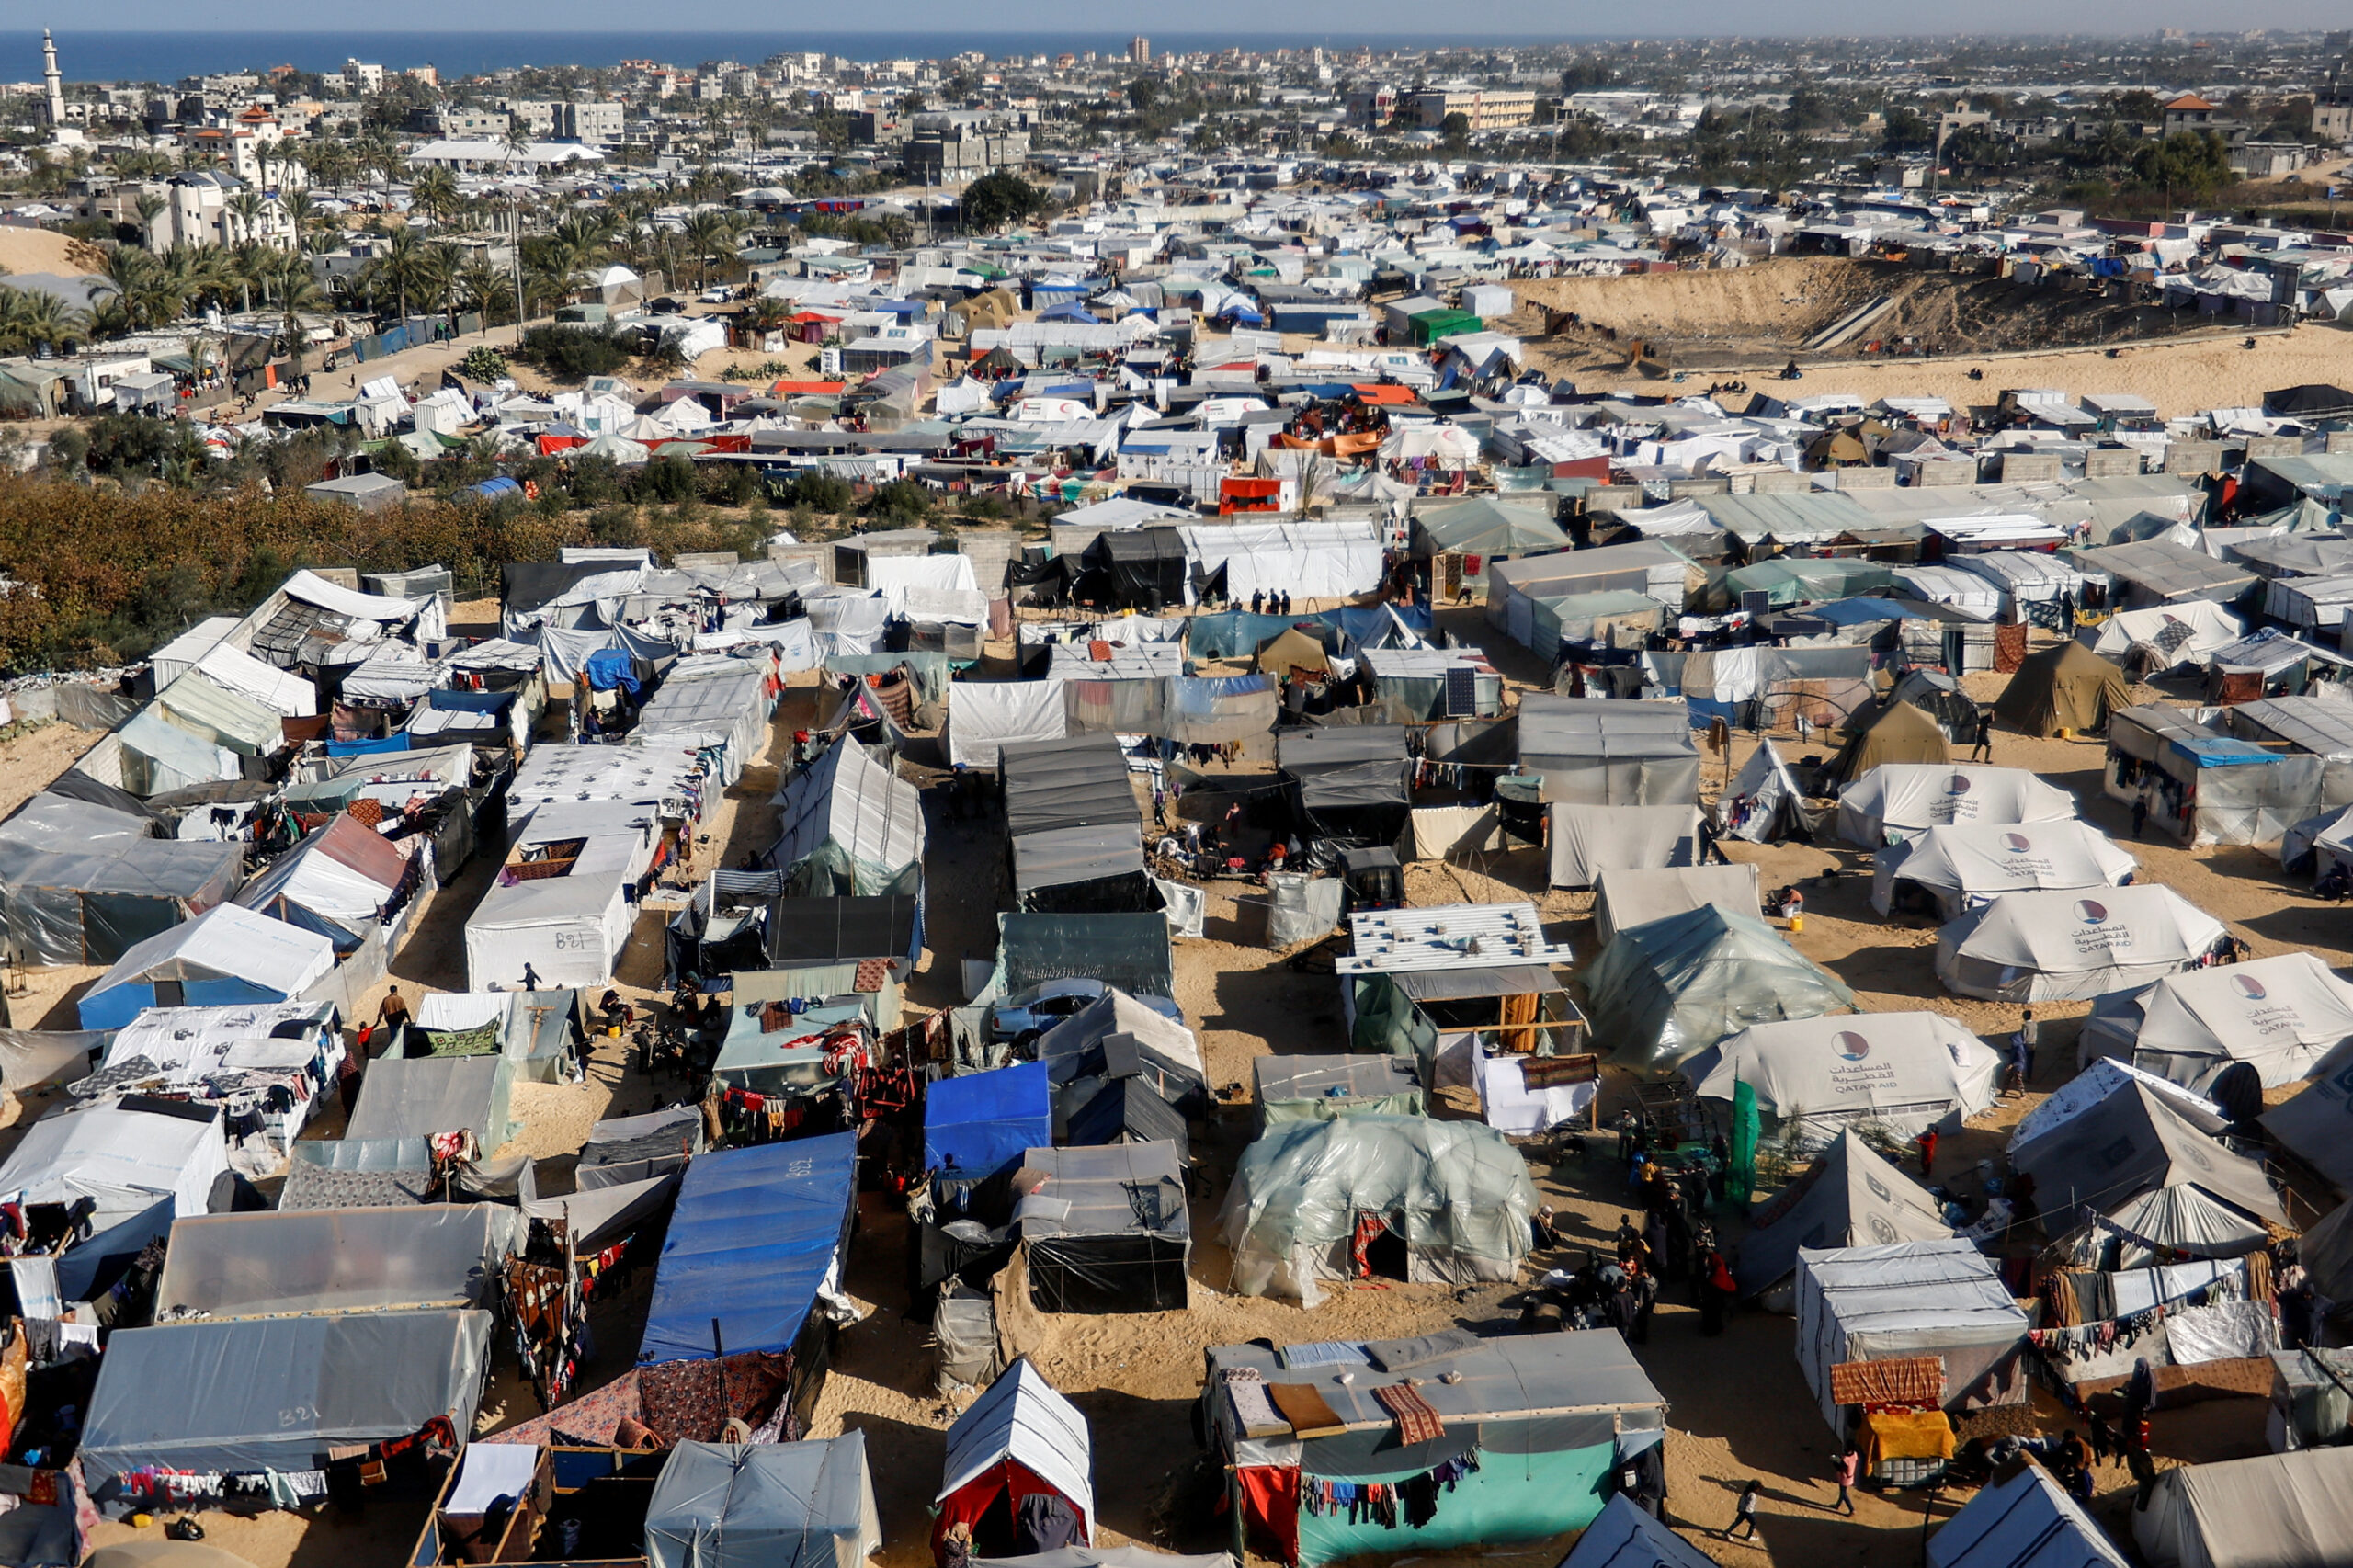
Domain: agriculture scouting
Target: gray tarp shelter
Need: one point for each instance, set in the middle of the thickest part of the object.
(2316, 1124)
(805, 1504)
(1850, 1197)
(1625, 1536)
(1129, 952)
(1622, 899)
(418, 1096)
(1589, 840)
(2109, 1161)
(2292, 1510)
(1907, 1298)
(1601, 752)
(847, 825)
(2157, 570)
(1072, 828)
(273, 1393)
(1662, 991)
(1319, 1088)
(77, 887)
(2023, 1520)
(1107, 1229)
(1350, 780)
(324, 1261)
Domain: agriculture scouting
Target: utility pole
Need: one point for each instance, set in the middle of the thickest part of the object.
(514, 207)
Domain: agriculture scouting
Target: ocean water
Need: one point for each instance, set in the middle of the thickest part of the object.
(165, 57)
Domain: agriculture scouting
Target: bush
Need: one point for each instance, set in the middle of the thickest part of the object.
(483, 363)
(820, 492)
(901, 501)
(668, 478)
(576, 352)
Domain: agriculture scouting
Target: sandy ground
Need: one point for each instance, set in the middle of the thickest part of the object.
(1738, 1407)
(45, 250)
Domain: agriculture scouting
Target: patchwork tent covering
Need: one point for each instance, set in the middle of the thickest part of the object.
(1106, 1229)
(1909, 1299)
(1668, 989)
(847, 825)
(2132, 1144)
(1587, 841)
(1624, 898)
(1603, 752)
(1072, 826)
(804, 1504)
(339, 881)
(1902, 800)
(1765, 803)
(1906, 1072)
(225, 956)
(1959, 867)
(328, 1261)
(756, 1233)
(2292, 1510)
(1319, 1089)
(1849, 1197)
(2285, 1014)
(2061, 946)
(1464, 1192)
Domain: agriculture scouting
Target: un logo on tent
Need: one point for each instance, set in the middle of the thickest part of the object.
(1851, 1047)
(2249, 987)
(1883, 1232)
(2091, 912)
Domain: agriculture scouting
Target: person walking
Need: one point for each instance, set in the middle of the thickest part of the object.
(1845, 1469)
(1744, 1513)
(1983, 751)
(1927, 1142)
(2031, 1032)
(2139, 812)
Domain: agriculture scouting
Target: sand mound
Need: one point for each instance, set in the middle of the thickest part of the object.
(43, 250)
(1793, 297)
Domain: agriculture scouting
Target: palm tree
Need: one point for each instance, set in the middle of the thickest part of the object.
(149, 207)
(484, 288)
(407, 263)
(298, 291)
(111, 317)
(301, 216)
(712, 232)
(246, 207)
(35, 318)
(434, 192)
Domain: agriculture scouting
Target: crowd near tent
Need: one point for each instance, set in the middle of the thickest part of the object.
(1665, 990)
(1900, 801)
(2065, 946)
(1904, 1072)
(1851, 1196)
(2284, 1015)
(1946, 870)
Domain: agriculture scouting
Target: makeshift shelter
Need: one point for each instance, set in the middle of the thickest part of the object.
(81, 884)
(1589, 840)
(1764, 803)
(1909, 1301)
(2292, 1510)
(2024, 1519)
(2103, 1166)
(564, 902)
(1020, 1470)
(343, 883)
(226, 954)
(1899, 732)
(2284, 1014)
(329, 1261)
(1292, 651)
(2067, 688)
(1130, 952)
(2188, 632)
(2318, 845)
(1074, 836)
(2094, 1083)
(1109, 1557)
(624, 1150)
(1553, 1417)
(273, 1393)
(1601, 752)
(1625, 1535)
(758, 1234)
(1352, 783)
(978, 1125)
(801, 1505)
(1115, 1015)
(1904, 1072)
(849, 826)
(983, 715)
(422, 1097)
(2316, 1124)
(128, 1160)
(1624, 898)
(1463, 538)
(1427, 1201)
(1850, 1197)
(1321, 1088)
(1105, 1228)
(1663, 991)
(2059, 946)
(1948, 869)
(1900, 801)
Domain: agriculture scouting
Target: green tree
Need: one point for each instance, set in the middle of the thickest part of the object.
(2188, 165)
(1456, 129)
(996, 199)
(1143, 93)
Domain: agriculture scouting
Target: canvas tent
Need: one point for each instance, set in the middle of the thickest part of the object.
(2123, 1165)
(1898, 733)
(1589, 840)
(1319, 1088)
(983, 715)
(804, 1504)
(2063, 947)
(2067, 688)
(1850, 1197)
(849, 826)
(2285, 1014)
(1765, 803)
(328, 1261)
(1105, 1230)
(226, 954)
(2024, 1519)
(1599, 752)
(1948, 869)
(2292, 1510)
(1662, 991)
(1626, 1536)
(2316, 1124)
(1073, 832)
(421, 1096)
(1623, 899)
(128, 1160)
(1460, 1193)
(272, 1393)
(1901, 801)
(1906, 1072)
(340, 882)
(1020, 1440)
(1937, 1298)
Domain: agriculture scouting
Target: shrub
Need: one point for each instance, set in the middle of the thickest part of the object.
(576, 352)
(483, 363)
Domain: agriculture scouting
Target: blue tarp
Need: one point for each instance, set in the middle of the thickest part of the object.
(2224, 752)
(1864, 611)
(754, 1233)
(492, 489)
(471, 701)
(1069, 309)
(977, 1125)
(609, 667)
(366, 748)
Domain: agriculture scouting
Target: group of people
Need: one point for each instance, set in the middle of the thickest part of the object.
(1264, 602)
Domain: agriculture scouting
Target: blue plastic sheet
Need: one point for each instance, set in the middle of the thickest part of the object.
(982, 1123)
(609, 667)
(754, 1233)
(368, 748)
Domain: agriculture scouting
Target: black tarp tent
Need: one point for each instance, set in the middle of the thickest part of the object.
(1072, 828)
(1135, 568)
(807, 933)
(1349, 784)
(1107, 1229)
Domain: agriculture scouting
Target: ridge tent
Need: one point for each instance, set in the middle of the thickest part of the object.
(1851, 1196)
(128, 1160)
(1667, 989)
(1107, 1229)
(1907, 1072)
(2316, 1124)
(2066, 687)
(1074, 836)
(2284, 1014)
(421, 1096)
(2102, 1167)
(2292, 1510)
(1625, 1535)
(1599, 752)
(2061, 946)
(2325, 842)
(1590, 840)
(49, 818)
(625, 1150)
(1353, 782)
(1956, 868)
(2094, 1083)
(1553, 1417)
(1020, 1471)
(1939, 1297)
(1898, 733)
(2185, 631)
(1115, 1014)
(1902, 800)
(976, 1126)
(1452, 1199)
(1625, 899)
(1291, 651)
(983, 715)
(272, 1393)
(804, 1504)
(1117, 1108)
(1322, 1089)
(226, 956)
(1764, 803)
(2023, 1520)
(341, 882)
(328, 1261)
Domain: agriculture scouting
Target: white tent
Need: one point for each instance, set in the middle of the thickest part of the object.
(2061, 946)
(1307, 560)
(1624, 898)
(1902, 800)
(227, 954)
(2094, 1083)
(2284, 1014)
(983, 715)
(1961, 867)
(1906, 1071)
(1851, 1196)
(2291, 1510)
(1623, 1536)
(1936, 1298)
(1022, 1419)
(2185, 631)
(848, 825)
(569, 928)
(2124, 1164)
(1589, 840)
(127, 1160)
(893, 573)
(281, 692)
(1764, 802)
(2024, 1520)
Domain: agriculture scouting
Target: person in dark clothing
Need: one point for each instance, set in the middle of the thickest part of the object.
(531, 978)
(1744, 1513)
(1983, 751)
(1629, 1240)
(1621, 1310)
(2145, 1475)
(1717, 1290)
(1258, 601)
(2296, 1315)
(1645, 1302)
(2140, 813)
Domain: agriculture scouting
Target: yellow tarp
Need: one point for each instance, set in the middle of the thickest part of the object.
(1905, 1435)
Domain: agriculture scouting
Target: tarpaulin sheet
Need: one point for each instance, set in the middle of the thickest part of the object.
(849, 826)
(976, 1125)
(272, 1265)
(756, 1232)
(805, 1504)
(981, 716)
(1902, 800)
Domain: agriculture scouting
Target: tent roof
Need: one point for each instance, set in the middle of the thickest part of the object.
(276, 1264)
(1898, 733)
(1292, 650)
(1096, 1190)
(227, 940)
(2284, 1012)
(1024, 1418)
(976, 1124)
(1303, 1182)
(1488, 525)
(1677, 985)
(2271, 1511)
(1498, 1380)
(1941, 1286)
(2068, 687)
(1975, 860)
(1075, 781)
(1849, 1197)
(2150, 923)
(2023, 1520)
(346, 872)
(1912, 797)
(2133, 1142)
(1625, 1536)
(763, 1506)
(848, 799)
(1903, 1069)
(755, 1233)
(1625, 898)
(1117, 1013)
(810, 932)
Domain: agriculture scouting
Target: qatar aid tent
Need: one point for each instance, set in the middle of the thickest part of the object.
(804, 1504)
(1454, 1197)
(1589, 840)
(1765, 802)
(2133, 1167)
(2023, 1520)
(226, 956)
(273, 1393)
(1624, 898)
(1667, 989)
(2066, 947)
(1020, 1470)
(1551, 1417)
(1625, 1535)
(1850, 1197)
(1907, 1299)
(2284, 1014)
(1896, 732)
(1948, 869)
(1906, 1072)
(1898, 801)
(2066, 687)
(2292, 1510)
(849, 826)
